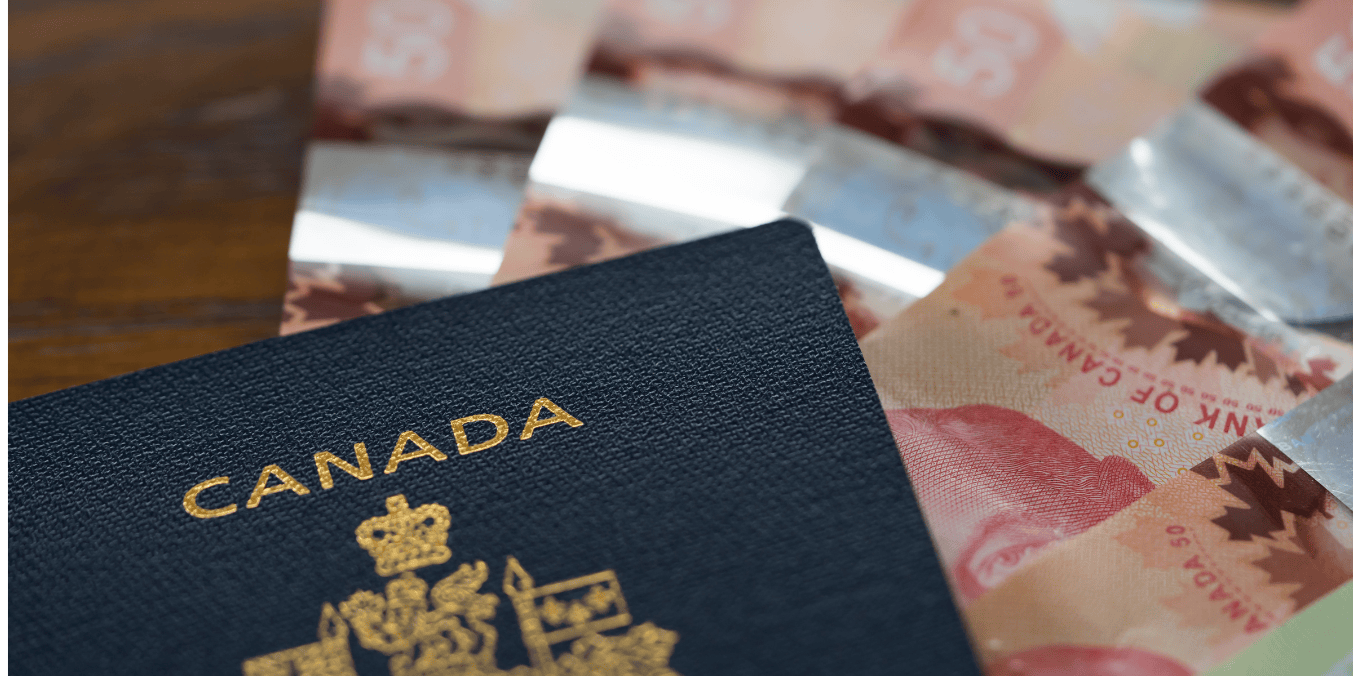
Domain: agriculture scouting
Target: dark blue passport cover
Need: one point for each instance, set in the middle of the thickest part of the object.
(731, 503)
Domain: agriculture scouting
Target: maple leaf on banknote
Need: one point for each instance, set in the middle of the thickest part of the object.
(1211, 337)
(1269, 484)
(585, 236)
(1146, 328)
(1295, 385)
(1316, 380)
(1093, 232)
(1321, 565)
(1253, 520)
(580, 243)
(1101, 240)
(1265, 368)
(552, 235)
(313, 300)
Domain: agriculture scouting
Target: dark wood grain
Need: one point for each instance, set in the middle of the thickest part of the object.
(155, 155)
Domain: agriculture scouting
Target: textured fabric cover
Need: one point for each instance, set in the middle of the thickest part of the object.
(734, 469)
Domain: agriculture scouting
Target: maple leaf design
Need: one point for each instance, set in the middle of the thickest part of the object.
(583, 237)
(1249, 522)
(1248, 466)
(1146, 328)
(1295, 385)
(1093, 232)
(1322, 565)
(1317, 379)
(311, 301)
(1321, 367)
(1211, 337)
(580, 239)
(1265, 368)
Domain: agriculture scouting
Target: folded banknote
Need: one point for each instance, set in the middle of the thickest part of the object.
(427, 113)
(695, 118)
(692, 123)
(1027, 93)
(1067, 425)
(1182, 579)
(1252, 181)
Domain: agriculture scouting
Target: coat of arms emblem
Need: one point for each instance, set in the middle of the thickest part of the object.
(447, 629)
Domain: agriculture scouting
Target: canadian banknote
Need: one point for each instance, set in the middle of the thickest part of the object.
(1182, 579)
(1054, 381)
(427, 113)
(1253, 180)
(721, 115)
(699, 117)
(1294, 92)
(1027, 93)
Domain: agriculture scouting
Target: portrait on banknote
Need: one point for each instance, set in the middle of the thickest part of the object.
(999, 487)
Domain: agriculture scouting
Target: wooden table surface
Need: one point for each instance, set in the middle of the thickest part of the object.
(155, 155)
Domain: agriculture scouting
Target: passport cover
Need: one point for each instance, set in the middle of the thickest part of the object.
(673, 463)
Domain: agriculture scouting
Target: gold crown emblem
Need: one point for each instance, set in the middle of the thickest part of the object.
(447, 629)
(406, 539)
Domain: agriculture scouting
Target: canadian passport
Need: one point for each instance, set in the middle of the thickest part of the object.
(672, 463)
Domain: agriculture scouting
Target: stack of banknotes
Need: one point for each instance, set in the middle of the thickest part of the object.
(1091, 250)
(1097, 256)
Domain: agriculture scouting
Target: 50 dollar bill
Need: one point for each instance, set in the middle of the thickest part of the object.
(1051, 383)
